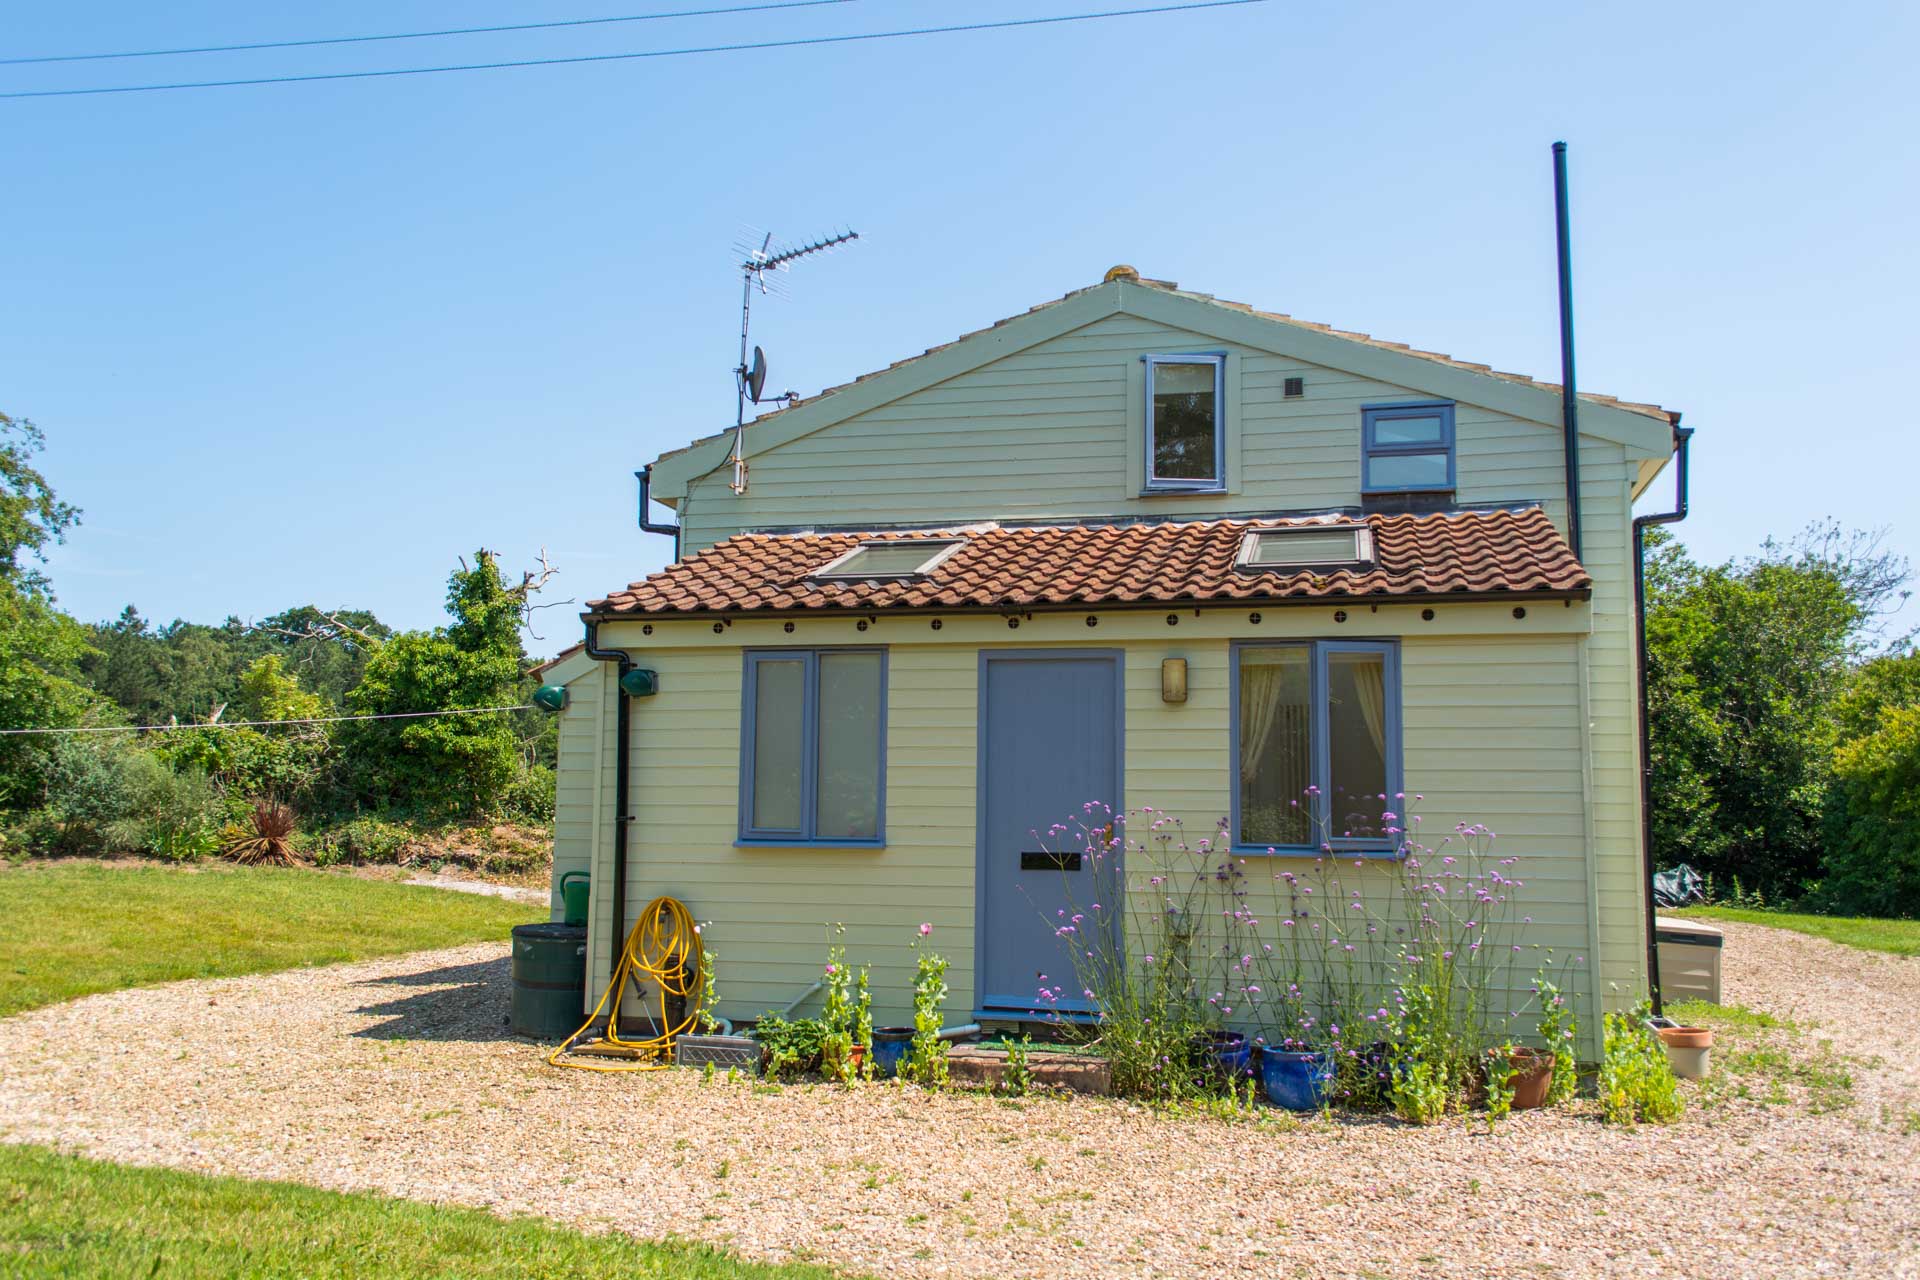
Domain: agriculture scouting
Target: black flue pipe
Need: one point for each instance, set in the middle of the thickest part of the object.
(1681, 435)
(645, 476)
(1569, 398)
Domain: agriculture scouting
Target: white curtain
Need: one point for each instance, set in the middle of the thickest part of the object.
(1370, 689)
(1260, 705)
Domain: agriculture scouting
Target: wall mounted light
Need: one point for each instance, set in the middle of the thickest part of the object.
(1173, 680)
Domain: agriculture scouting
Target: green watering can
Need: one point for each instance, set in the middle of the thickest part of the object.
(575, 887)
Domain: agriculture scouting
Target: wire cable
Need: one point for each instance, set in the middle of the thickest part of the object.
(802, 42)
(255, 724)
(416, 35)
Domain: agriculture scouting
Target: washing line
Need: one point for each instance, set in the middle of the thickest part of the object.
(258, 724)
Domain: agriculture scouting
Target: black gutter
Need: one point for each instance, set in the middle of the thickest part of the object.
(1569, 399)
(645, 476)
(1681, 435)
(622, 751)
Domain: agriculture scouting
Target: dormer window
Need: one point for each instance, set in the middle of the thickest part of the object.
(890, 558)
(1312, 547)
(1407, 448)
(1186, 423)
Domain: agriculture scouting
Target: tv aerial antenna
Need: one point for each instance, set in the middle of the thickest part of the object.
(750, 375)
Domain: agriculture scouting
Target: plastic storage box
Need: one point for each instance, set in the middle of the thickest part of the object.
(1689, 953)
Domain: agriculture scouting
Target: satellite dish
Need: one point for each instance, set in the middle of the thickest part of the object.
(757, 375)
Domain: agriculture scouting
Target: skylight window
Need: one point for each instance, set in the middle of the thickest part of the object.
(893, 558)
(1306, 548)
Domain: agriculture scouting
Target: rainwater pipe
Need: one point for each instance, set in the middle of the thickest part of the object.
(622, 767)
(1681, 435)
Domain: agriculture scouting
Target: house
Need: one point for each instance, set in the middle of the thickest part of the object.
(1137, 545)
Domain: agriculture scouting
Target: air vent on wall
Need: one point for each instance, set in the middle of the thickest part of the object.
(1295, 388)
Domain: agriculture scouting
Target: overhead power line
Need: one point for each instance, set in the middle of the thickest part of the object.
(257, 724)
(797, 43)
(417, 35)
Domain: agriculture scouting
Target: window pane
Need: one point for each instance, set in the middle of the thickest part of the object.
(1183, 418)
(1426, 429)
(903, 557)
(1333, 546)
(1357, 742)
(849, 770)
(778, 742)
(1407, 471)
(1276, 746)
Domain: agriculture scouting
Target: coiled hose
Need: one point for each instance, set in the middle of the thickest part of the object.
(662, 955)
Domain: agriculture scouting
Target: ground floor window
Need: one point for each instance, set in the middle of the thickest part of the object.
(1316, 727)
(813, 738)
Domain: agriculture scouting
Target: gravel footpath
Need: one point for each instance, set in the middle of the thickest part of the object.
(397, 1076)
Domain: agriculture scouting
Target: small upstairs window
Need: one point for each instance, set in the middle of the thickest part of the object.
(1407, 448)
(890, 558)
(1333, 547)
(1186, 423)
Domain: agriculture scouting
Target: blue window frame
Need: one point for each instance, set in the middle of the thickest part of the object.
(813, 747)
(1407, 448)
(1186, 405)
(1316, 744)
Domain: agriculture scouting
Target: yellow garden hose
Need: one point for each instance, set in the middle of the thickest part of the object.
(662, 955)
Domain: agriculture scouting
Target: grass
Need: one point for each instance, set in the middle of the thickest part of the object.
(75, 929)
(62, 1216)
(1758, 1057)
(1898, 937)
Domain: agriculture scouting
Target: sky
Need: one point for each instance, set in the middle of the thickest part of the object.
(312, 343)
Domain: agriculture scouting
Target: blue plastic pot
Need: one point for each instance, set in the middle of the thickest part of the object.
(1227, 1053)
(890, 1045)
(1296, 1081)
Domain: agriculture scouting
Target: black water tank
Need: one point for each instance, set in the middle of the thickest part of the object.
(549, 980)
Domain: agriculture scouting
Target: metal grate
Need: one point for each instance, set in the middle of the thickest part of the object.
(1294, 388)
(721, 1051)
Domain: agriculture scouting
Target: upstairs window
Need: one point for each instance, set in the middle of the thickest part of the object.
(813, 746)
(1407, 448)
(1186, 423)
(1316, 729)
(1307, 547)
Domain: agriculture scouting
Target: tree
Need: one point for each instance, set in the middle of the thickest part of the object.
(40, 647)
(1745, 663)
(1873, 864)
(449, 765)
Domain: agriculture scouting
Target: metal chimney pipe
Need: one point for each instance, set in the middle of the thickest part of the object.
(1569, 398)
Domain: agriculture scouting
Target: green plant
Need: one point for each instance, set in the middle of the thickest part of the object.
(1636, 1083)
(173, 816)
(709, 990)
(1559, 1031)
(1017, 1079)
(792, 1047)
(926, 1059)
(1499, 1071)
(848, 1005)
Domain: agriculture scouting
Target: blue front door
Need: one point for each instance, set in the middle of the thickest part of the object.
(1049, 743)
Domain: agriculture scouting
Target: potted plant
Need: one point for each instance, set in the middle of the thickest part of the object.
(1296, 1077)
(1532, 1076)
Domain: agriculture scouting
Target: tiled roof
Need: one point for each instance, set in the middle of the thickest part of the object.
(1472, 553)
(1168, 286)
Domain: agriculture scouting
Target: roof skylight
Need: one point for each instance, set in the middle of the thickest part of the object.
(1306, 548)
(891, 558)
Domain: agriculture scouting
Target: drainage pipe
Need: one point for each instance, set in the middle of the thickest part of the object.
(645, 476)
(622, 768)
(1681, 435)
(1569, 400)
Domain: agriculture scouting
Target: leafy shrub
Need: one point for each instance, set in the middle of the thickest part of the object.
(267, 841)
(1873, 826)
(1636, 1082)
(1017, 1080)
(373, 841)
(926, 1060)
(791, 1047)
(172, 815)
(529, 796)
(847, 1016)
(90, 780)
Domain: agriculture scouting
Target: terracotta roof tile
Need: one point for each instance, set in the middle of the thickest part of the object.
(1452, 553)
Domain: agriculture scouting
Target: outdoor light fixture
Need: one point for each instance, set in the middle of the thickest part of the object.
(1173, 680)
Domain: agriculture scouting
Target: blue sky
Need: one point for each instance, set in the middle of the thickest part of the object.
(310, 343)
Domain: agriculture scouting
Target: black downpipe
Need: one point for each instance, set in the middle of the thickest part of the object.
(1681, 435)
(1569, 399)
(645, 476)
(622, 750)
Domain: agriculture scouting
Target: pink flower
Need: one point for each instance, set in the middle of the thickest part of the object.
(926, 929)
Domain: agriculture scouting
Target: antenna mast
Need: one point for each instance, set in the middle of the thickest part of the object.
(750, 376)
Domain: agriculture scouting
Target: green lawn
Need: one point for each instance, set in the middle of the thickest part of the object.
(1901, 937)
(61, 1216)
(72, 930)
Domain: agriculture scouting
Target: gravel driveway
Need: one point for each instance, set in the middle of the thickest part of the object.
(396, 1076)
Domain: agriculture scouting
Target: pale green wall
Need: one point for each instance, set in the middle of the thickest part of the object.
(1491, 732)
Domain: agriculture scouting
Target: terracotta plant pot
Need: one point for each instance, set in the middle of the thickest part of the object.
(1532, 1076)
(1689, 1050)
